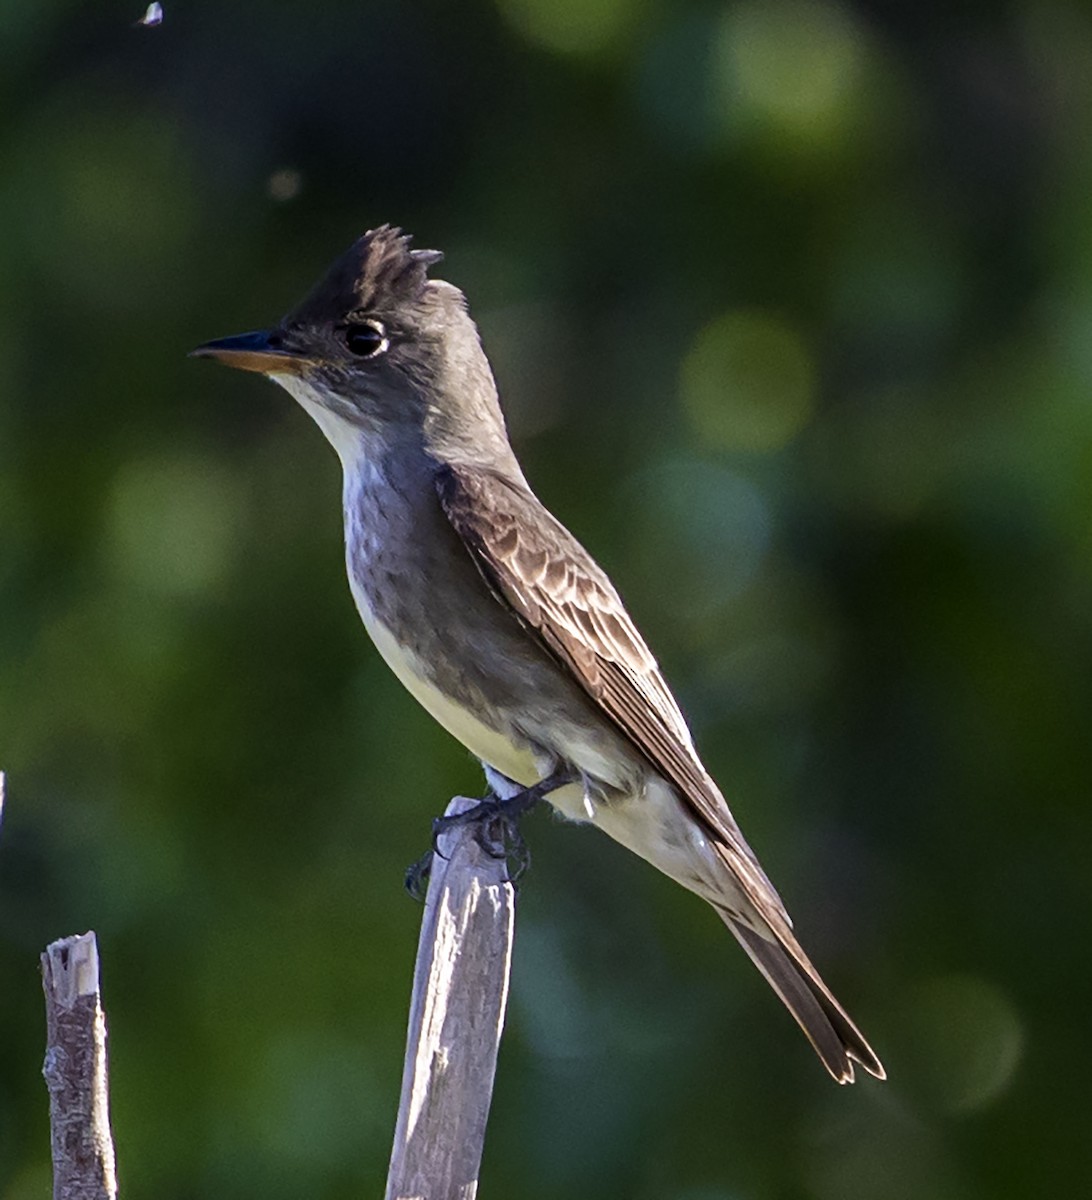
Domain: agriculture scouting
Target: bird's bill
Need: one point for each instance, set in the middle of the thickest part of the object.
(251, 352)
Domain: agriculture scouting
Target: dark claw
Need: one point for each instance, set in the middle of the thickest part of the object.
(417, 875)
(490, 834)
(516, 851)
(438, 827)
(480, 814)
(502, 839)
(496, 831)
(519, 859)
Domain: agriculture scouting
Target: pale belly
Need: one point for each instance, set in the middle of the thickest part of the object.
(650, 821)
(513, 761)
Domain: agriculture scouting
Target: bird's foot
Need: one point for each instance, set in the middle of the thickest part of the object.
(416, 877)
(496, 830)
(485, 817)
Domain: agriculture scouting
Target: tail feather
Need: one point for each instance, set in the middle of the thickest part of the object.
(780, 958)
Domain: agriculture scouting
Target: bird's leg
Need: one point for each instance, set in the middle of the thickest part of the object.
(495, 819)
(511, 808)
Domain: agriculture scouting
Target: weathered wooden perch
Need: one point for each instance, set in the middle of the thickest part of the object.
(75, 1072)
(460, 988)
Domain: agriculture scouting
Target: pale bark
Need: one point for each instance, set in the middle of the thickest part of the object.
(75, 1072)
(460, 989)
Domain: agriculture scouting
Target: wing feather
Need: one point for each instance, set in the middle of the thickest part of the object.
(536, 567)
(539, 569)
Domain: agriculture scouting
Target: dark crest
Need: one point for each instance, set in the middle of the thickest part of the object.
(379, 270)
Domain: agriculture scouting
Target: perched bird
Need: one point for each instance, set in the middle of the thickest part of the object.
(493, 615)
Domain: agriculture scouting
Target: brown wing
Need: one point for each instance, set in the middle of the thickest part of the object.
(536, 566)
(533, 563)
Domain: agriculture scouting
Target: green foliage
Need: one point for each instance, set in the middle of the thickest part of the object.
(789, 304)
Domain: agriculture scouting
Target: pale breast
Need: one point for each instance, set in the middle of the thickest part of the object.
(457, 649)
(500, 752)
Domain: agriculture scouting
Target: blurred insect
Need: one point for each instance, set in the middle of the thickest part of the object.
(154, 16)
(284, 184)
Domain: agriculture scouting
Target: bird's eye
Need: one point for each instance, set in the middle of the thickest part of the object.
(368, 339)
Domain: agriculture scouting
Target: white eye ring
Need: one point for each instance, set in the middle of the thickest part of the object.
(367, 338)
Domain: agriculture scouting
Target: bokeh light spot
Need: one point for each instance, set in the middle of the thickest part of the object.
(171, 524)
(794, 65)
(747, 382)
(696, 521)
(879, 1151)
(968, 1041)
(284, 184)
(570, 26)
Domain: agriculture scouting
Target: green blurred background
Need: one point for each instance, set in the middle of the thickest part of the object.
(790, 304)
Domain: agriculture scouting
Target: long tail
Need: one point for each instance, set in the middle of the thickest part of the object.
(837, 1041)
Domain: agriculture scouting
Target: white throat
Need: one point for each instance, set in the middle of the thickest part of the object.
(344, 436)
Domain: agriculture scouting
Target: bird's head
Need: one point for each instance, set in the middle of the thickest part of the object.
(376, 348)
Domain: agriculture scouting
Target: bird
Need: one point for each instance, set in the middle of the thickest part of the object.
(490, 612)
